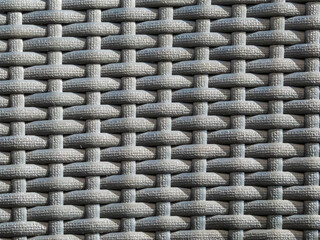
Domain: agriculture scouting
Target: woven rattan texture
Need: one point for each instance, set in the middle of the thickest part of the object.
(159, 119)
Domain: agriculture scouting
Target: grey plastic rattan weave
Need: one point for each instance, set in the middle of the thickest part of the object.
(159, 119)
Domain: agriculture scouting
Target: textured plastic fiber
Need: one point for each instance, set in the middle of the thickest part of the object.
(159, 119)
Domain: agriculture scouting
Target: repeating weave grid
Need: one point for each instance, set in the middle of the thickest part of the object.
(159, 119)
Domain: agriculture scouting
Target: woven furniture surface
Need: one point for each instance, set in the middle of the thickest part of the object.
(159, 119)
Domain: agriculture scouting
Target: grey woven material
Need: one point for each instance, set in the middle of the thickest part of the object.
(159, 119)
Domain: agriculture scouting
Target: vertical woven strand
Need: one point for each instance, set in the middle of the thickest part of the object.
(128, 111)
(55, 113)
(200, 108)
(93, 125)
(17, 128)
(312, 120)
(164, 123)
(276, 107)
(237, 121)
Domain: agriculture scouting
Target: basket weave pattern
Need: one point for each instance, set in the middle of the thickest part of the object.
(159, 119)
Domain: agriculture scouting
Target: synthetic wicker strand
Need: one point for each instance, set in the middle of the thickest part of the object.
(159, 119)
